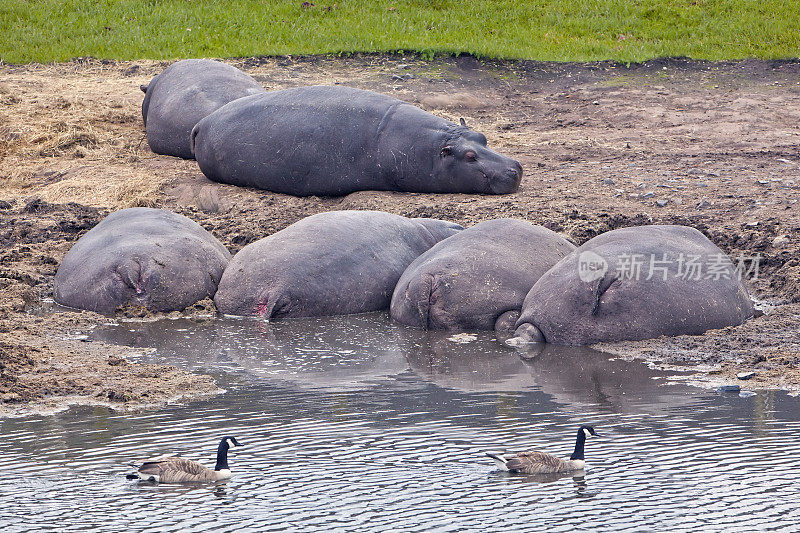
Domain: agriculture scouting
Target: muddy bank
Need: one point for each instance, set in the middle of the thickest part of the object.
(710, 145)
(45, 359)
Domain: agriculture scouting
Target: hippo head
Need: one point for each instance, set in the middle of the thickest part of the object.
(465, 158)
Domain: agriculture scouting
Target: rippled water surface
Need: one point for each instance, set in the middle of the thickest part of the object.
(355, 424)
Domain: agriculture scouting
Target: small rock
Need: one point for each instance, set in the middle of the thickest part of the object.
(703, 203)
(34, 205)
(662, 203)
(648, 194)
(462, 338)
(677, 201)
(746, 394)
(729, 388)
(745, 375)
(595, 103)
(5, 205)
(402, 66)
(778, 242)
(113, 360)
(608, 181)
(132, 70)
(398, 77)
(763, 182)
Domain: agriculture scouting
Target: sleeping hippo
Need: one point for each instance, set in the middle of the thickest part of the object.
(335, 140)
(150, 257)
(176, 100)
(478, 278)
(632, 284)
(333, 263)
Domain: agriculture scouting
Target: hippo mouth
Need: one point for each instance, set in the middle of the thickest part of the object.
(504, 183)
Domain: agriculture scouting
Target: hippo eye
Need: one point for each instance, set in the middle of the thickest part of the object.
(470, 156)
(447, 151)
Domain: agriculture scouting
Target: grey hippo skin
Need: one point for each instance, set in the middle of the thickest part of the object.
(333, 141)
(141, 256)
(478, 278)
(597, 304)
(333, 263)
(187, 91)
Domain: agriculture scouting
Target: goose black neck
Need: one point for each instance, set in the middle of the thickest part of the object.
(579, 442)
(222, 455)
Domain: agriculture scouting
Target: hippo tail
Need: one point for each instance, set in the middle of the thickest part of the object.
(147, 95)
(272, 303)
(417, 303)
(192, 137)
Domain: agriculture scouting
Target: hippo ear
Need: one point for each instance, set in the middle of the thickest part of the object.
(463, 122)
(143, 88)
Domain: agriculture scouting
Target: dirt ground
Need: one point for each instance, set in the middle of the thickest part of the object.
(709, 145)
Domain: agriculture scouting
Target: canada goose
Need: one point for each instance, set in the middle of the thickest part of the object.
(544, 463)
(174, 469)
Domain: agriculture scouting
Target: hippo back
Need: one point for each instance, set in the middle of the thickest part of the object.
(636, 283)
(339, 262)
(332, 141)
(472, 278)
(184, 93)
(141, 256)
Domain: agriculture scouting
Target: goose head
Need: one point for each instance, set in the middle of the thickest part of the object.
(231, 439)
(588, 431)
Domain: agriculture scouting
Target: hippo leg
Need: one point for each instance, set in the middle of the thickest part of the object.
(526, 334)
(505, 322)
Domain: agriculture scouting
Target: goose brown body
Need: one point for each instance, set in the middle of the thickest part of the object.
(536, 462)
(179, 470)
(174, 469)
(540, 463)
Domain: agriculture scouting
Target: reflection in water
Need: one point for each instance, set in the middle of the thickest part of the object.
(355, 424)
(348, 353)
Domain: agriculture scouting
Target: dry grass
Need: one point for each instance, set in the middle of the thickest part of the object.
(72, 133)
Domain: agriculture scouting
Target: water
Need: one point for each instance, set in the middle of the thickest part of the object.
(355, 424)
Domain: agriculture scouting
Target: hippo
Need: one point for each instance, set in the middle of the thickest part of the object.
(141, 256)
(176, 99)
(478, 278)
(332, 141)
(632, 284)
(333, 263)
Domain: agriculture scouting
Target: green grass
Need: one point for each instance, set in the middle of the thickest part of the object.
(559, 30)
